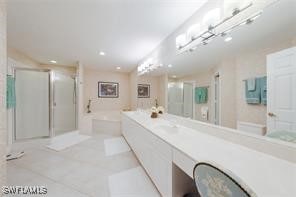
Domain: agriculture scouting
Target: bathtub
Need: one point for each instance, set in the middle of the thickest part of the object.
(103, 122)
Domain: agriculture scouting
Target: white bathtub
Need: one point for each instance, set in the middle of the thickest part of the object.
(104, 122)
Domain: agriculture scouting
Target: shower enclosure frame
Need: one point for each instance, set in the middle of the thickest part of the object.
(193, 83)
(51, 102)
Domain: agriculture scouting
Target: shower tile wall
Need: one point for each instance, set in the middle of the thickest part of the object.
(3, 59)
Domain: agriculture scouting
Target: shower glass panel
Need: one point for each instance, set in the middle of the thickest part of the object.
(32, 104)
(175, 98)
(188, 100)
(64, 103)
(180, 97)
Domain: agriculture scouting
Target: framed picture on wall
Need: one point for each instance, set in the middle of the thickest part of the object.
(143, 91)
(108, 89)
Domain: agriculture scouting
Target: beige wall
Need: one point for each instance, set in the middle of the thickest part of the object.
(233, 71)
(133, 79)
(3, 69)
(147, 103)
(228, 114)
(252, 64)
(163, 91)
(201, 79)
(27, 61)
(158, 90)
(91, 79)
(21, 57)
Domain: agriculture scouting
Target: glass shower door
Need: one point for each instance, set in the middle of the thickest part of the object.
(32, 104)
(175, 98)
(64, 103)
(188, 100)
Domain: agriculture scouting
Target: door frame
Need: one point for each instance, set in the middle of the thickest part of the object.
(49, 106)
(217, 99)
(52, 98)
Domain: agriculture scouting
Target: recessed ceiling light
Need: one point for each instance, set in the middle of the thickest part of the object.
(228, 39)
(170, 65)
(174, 76)
(53, 61)
(118, 68)
(102, 53)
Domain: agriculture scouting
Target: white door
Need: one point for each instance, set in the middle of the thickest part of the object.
(281, 91)
(32, 104)
(64, 103)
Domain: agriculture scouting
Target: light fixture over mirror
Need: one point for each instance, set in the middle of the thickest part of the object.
(233, 7)
(213, 26)
(193, 32)
(181, 41)
(212, 18)
(148, 66)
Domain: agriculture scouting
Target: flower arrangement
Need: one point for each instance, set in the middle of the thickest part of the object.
(154, 112)
(160, 110)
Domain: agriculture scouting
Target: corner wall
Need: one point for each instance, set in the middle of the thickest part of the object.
(147, 103)
(3, 70)
(91, 79)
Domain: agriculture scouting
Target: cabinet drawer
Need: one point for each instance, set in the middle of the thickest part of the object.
(184, 162)
(158, 145)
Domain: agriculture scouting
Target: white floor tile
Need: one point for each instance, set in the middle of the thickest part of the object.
(66, 140)
(116, 146)
(81, 170)
(133, 182)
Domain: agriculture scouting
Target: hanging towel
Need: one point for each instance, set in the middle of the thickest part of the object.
(201, 95)
(251, 84)
(253, 97)
(10, 92)
(263, 87)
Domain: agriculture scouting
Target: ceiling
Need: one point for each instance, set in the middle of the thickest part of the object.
(275, 26)
(77, 30)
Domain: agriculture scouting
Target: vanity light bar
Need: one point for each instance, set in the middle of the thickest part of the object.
(246, 21)
(148, 66)
(210, 33)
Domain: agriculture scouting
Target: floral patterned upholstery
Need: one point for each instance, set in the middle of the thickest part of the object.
(211, 181)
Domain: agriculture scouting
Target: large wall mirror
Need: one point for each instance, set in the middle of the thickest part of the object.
(232, 80)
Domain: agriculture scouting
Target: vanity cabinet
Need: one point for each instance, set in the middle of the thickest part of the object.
(154, 154)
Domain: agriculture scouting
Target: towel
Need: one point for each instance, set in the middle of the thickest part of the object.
(253, 97)
(263, 87)
(201, 95)
(251, 84)
(10, 92)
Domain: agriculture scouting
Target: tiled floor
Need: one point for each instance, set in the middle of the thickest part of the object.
(81, 170)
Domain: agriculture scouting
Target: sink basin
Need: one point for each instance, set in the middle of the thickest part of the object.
(168, 128)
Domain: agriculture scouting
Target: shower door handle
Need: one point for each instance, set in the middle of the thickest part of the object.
(270, 114)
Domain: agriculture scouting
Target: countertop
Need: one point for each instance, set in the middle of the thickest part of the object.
(266, 175)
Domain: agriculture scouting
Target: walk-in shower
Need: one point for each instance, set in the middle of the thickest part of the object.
(180, 99)
(45, 103)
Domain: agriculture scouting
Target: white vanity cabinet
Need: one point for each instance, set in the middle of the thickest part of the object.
(154, 154)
